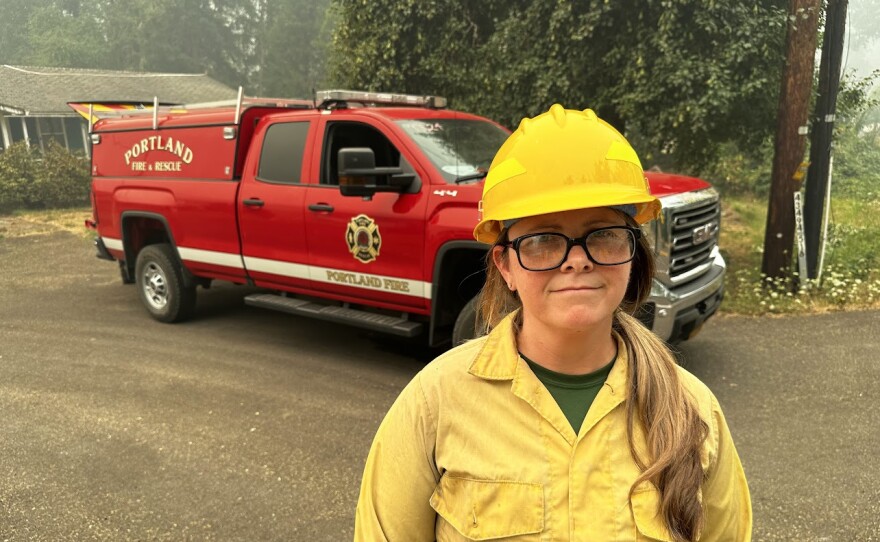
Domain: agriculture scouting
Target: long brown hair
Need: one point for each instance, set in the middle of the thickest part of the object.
(655, 396)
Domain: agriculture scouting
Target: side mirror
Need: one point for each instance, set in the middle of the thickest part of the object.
(356, 161)
(359, 164)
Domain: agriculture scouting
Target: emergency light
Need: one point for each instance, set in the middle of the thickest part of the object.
(325, 97)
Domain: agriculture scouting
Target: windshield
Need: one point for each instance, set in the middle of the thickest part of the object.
(461, 149)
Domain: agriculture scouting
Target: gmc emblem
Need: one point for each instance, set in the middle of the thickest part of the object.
(704, 233)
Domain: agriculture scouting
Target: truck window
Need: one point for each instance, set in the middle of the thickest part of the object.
(456, 147)
(351, 134)
(282, 155)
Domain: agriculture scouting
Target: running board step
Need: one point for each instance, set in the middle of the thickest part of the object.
(334, 313)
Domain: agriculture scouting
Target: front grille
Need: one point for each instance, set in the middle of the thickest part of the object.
(693, 233)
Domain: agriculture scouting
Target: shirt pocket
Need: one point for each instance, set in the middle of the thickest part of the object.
(488, 509)
(650, 524)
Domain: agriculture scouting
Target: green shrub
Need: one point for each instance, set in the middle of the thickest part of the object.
(31, 179)
(850, 274)
(17, 174)
(856, 159)
(65, 178)
(742, 173)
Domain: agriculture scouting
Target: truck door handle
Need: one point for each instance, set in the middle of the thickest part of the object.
(254, 202)
(321, 208)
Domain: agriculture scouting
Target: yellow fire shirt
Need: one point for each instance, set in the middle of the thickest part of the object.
(476, 448)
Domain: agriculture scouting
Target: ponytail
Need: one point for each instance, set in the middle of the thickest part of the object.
(674, 430)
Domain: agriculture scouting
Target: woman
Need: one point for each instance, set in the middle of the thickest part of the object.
(569, 420)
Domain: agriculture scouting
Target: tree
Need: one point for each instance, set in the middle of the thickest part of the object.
(191, 36)
(63, 34)
(14, 17)
(794, 102)
(186, 36)
(48, 33)
(857, 138)
(410, 46)
(290, 42)
(683, 76)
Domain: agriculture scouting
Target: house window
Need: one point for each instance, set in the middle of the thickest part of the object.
(16, 130)
(68, 132)
(51, 129)
(73, 128)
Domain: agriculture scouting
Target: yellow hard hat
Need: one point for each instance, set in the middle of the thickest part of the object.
(559, 161)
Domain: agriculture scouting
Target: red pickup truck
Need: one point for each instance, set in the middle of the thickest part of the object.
(355, 207)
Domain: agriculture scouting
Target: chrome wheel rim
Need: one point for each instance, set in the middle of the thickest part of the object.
(155, 286)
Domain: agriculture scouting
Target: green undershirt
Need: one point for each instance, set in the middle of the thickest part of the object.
(573, 393)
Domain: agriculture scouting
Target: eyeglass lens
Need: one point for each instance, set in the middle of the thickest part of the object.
(609, 246)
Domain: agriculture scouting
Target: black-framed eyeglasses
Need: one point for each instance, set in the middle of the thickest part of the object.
(543, 251)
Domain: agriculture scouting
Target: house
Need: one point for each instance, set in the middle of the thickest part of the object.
(33, 101)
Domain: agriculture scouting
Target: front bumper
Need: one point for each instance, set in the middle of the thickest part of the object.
(677, 314)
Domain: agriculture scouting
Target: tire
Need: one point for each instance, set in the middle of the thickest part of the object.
(465, 327)
(160, 284)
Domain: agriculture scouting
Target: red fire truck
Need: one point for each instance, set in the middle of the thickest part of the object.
(356, 207)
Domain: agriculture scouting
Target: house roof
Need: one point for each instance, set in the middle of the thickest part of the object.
(33, 90)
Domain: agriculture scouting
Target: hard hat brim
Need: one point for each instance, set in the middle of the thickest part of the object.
(575, 197)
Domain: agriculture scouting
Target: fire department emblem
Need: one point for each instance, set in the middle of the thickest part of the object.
(363, 238)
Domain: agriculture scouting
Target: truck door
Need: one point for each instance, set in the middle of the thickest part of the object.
(368, 249)
(270, 208)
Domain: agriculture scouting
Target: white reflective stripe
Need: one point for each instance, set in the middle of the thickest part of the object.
(211, 257)
(285, 269)
(394, 285)
(115, 244)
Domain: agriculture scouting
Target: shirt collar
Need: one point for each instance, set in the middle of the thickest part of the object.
(498, 359)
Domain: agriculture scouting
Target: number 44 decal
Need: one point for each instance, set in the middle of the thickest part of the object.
(452, 193)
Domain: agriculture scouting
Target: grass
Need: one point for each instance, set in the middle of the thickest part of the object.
(850, 278)
(851, 271)
(44, 221)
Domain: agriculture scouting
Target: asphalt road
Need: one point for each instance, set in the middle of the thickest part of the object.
(249, 425)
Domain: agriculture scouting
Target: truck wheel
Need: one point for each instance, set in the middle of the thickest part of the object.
(160, 282)
(466, 323)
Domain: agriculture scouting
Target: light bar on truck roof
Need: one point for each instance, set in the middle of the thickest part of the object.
(380, 98)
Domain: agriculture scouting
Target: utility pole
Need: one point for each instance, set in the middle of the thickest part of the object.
(823, 127)
(791, 133)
